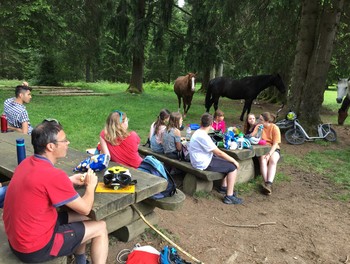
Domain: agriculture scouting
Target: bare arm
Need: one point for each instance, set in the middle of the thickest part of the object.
(178, 144)
(11, 128)
(104, 148)
(151, 131)
(223, 155)
(83, 205)
(25, 126)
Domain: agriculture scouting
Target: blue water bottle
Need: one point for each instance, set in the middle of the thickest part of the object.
(21, 150)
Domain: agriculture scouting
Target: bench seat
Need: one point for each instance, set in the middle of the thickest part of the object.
(169, 203)
(195, 180)
(7, 257)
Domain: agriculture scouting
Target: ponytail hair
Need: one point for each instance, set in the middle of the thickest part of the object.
(163, 115)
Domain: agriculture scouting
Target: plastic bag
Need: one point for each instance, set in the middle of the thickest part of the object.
(96, 163)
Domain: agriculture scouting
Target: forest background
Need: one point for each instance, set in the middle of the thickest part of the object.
(52, 42)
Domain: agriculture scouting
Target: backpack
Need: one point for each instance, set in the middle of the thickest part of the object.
(153, 166)
(169, 256)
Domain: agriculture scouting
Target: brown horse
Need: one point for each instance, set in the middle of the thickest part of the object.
(184, 87)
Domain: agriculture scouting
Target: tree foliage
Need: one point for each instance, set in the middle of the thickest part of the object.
(50, 42)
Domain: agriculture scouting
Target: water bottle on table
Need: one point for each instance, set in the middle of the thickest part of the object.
(188, 132)
(240, 141)
(3, 123)
(21, 150)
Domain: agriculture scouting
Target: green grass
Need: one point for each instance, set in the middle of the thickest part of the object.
(332, 164)
(83, 118)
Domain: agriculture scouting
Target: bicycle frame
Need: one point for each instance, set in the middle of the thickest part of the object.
(322, 133)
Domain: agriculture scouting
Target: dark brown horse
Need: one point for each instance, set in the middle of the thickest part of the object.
(184, 87)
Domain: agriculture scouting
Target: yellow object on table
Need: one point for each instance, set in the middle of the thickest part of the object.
(101, 188)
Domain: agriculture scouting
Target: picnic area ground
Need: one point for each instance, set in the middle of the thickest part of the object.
(307, 224)
(310, 226)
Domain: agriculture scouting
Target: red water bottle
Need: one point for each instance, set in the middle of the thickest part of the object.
(3, 123)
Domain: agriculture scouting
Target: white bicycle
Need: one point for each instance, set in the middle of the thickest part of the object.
(297, 134)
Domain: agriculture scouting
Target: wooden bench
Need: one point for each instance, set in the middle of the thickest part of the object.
(169, 203)
(195, 180)
(6, 255)
(115, 209)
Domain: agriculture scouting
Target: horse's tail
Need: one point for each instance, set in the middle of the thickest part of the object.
(208, 96)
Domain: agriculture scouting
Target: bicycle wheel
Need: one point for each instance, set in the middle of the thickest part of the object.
(332, 136)
(295, 136)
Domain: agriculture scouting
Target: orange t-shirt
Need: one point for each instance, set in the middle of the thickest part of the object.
(271, 134)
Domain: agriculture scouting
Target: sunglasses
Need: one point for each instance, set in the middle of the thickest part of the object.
(120, 115)
(51, 120)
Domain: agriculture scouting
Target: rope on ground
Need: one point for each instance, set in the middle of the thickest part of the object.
(347, 260)
(165, 237)
(245, 226)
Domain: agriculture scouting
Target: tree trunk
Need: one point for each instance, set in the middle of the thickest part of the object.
(318, 26)
(205, 80)
(140, 36)
(137, 75)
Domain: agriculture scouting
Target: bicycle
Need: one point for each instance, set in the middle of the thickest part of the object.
(297, 134)
(287, 122)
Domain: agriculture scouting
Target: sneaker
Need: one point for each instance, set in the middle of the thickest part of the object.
(232, 200)
(267, 188)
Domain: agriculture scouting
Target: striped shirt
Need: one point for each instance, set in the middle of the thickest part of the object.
(16, 114)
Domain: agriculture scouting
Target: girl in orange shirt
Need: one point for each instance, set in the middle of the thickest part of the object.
(268, 162)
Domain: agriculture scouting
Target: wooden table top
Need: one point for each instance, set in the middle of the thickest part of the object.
(242, 154)
(105, 204)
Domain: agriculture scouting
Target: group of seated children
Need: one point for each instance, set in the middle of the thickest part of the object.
(165, 137)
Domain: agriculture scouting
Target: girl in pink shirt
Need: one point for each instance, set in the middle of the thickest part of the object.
(219, 123)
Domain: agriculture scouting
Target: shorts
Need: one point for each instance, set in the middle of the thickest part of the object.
(218, 164)
(65, 240)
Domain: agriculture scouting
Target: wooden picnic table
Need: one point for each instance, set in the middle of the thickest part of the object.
(241, 154)
(107, 206)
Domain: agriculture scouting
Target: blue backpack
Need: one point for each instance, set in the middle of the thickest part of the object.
(169, 255)
(153, 166)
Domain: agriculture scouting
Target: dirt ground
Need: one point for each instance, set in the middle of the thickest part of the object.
(298, 223)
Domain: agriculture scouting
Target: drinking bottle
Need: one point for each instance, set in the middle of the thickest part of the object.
(21, 150)
(3, 123)
(188, 132)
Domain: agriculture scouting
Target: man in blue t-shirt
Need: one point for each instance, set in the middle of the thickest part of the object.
(15, 111)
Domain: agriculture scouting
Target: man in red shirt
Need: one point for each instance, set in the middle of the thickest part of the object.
(36, 231)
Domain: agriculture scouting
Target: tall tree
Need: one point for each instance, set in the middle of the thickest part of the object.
(318, 26)
(144, 13)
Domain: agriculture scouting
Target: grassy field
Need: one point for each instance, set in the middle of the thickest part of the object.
(83, 118)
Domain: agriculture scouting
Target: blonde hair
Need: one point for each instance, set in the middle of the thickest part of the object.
(115, 133)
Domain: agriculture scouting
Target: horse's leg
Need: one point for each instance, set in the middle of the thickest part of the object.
(188, 103)
(216, 103)
(184, 106)
(246, 108)
(343, 111)
(179, 100)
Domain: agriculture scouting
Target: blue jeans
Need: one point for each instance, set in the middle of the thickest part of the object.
(2, 195)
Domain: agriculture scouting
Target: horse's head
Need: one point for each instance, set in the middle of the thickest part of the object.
(342, 89)
(279, 83)
(192, 80)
